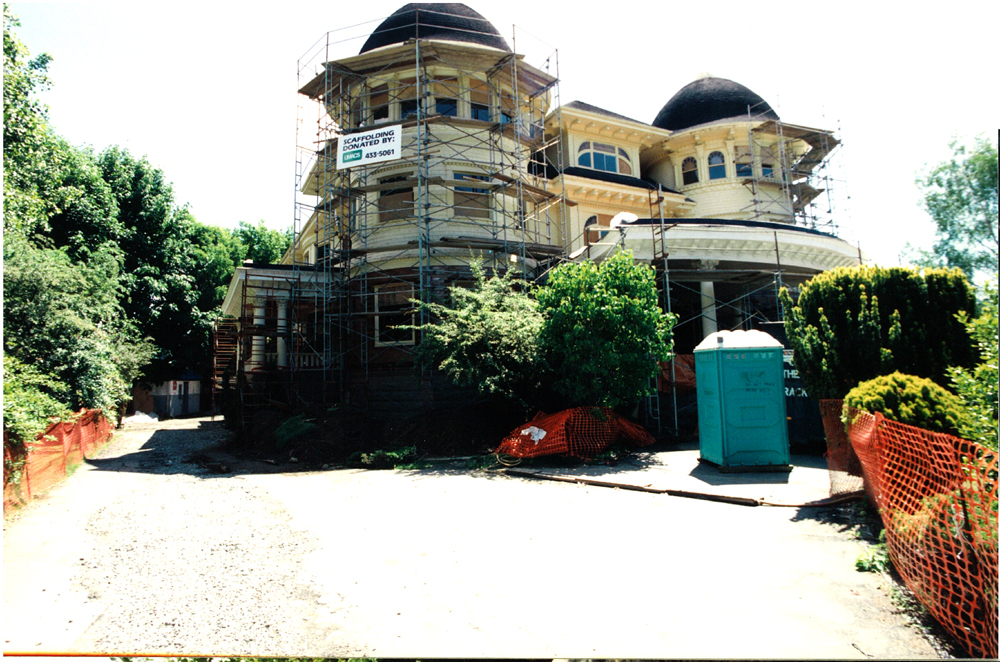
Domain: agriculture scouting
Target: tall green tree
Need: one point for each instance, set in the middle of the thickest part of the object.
(263, 245)
(960, 195)
(216, 253)
(25, 129)
(160, 265)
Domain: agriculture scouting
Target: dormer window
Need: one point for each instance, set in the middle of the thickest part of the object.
(601, 156)
(689, 170)
(716, 166)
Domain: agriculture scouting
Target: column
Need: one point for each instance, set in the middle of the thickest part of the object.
(258, 339)
(709, 324)
(282, 334)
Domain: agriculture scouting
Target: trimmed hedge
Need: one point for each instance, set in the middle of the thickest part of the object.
(910, 400)
(852, 324)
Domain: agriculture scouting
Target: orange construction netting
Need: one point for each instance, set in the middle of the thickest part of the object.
(937, 496)
(582, 433)
(57, 449)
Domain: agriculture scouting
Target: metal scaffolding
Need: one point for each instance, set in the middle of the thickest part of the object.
(377, 237)
(788, 170)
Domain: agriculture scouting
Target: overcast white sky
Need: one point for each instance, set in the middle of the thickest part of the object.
(208, 92)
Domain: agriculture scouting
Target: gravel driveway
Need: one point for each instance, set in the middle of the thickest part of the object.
(143, 551)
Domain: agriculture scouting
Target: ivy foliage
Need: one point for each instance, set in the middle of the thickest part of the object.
(909, 400)
(979, 386)
(604, 331)
(852, 324)
(487, 338)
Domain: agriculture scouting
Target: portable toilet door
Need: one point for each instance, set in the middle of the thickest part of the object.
(741, 401)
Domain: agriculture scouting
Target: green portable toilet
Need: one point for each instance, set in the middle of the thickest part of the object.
(741, 401)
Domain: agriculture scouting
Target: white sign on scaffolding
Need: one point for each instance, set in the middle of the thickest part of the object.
(357, 149)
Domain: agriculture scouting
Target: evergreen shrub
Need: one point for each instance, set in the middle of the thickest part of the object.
(910, 400)
(852, 324)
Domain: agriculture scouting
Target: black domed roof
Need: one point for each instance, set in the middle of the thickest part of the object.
(435, 20)
(709, 99)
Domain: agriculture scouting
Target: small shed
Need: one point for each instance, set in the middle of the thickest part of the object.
(742, 423)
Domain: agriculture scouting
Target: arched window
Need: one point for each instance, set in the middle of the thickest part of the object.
(716, 166)
(608, 158)
(689, 170)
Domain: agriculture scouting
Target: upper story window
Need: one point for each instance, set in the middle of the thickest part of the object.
(716, 166)
(767, 159)
(448, 107)
(689, 170)
(744, 161)
(379, 103)
(481, 111)
(601, 156)
(408, 108)
(395, 203)
(472, 201)
(479, 99)
(446, 93)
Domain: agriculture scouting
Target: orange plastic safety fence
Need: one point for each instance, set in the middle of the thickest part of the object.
(60, 447)
(582, 433)
(937, 496)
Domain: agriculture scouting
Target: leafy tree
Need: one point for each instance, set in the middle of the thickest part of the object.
(604, 332)
(263, 245)
(853, 324)
(25, 129)
(160, 292)
(82, 213)
(960, 195)
(216, 254)
(979, 386)
(487, 338)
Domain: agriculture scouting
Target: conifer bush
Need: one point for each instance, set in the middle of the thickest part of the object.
(852, 324)
(909, 400)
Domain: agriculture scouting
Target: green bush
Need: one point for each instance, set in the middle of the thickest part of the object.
(910, 400)
(487, 338)
(593, 336)
(979, 387)
(291, 429)
(29, 405)
(604, 331)
(852, 324)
